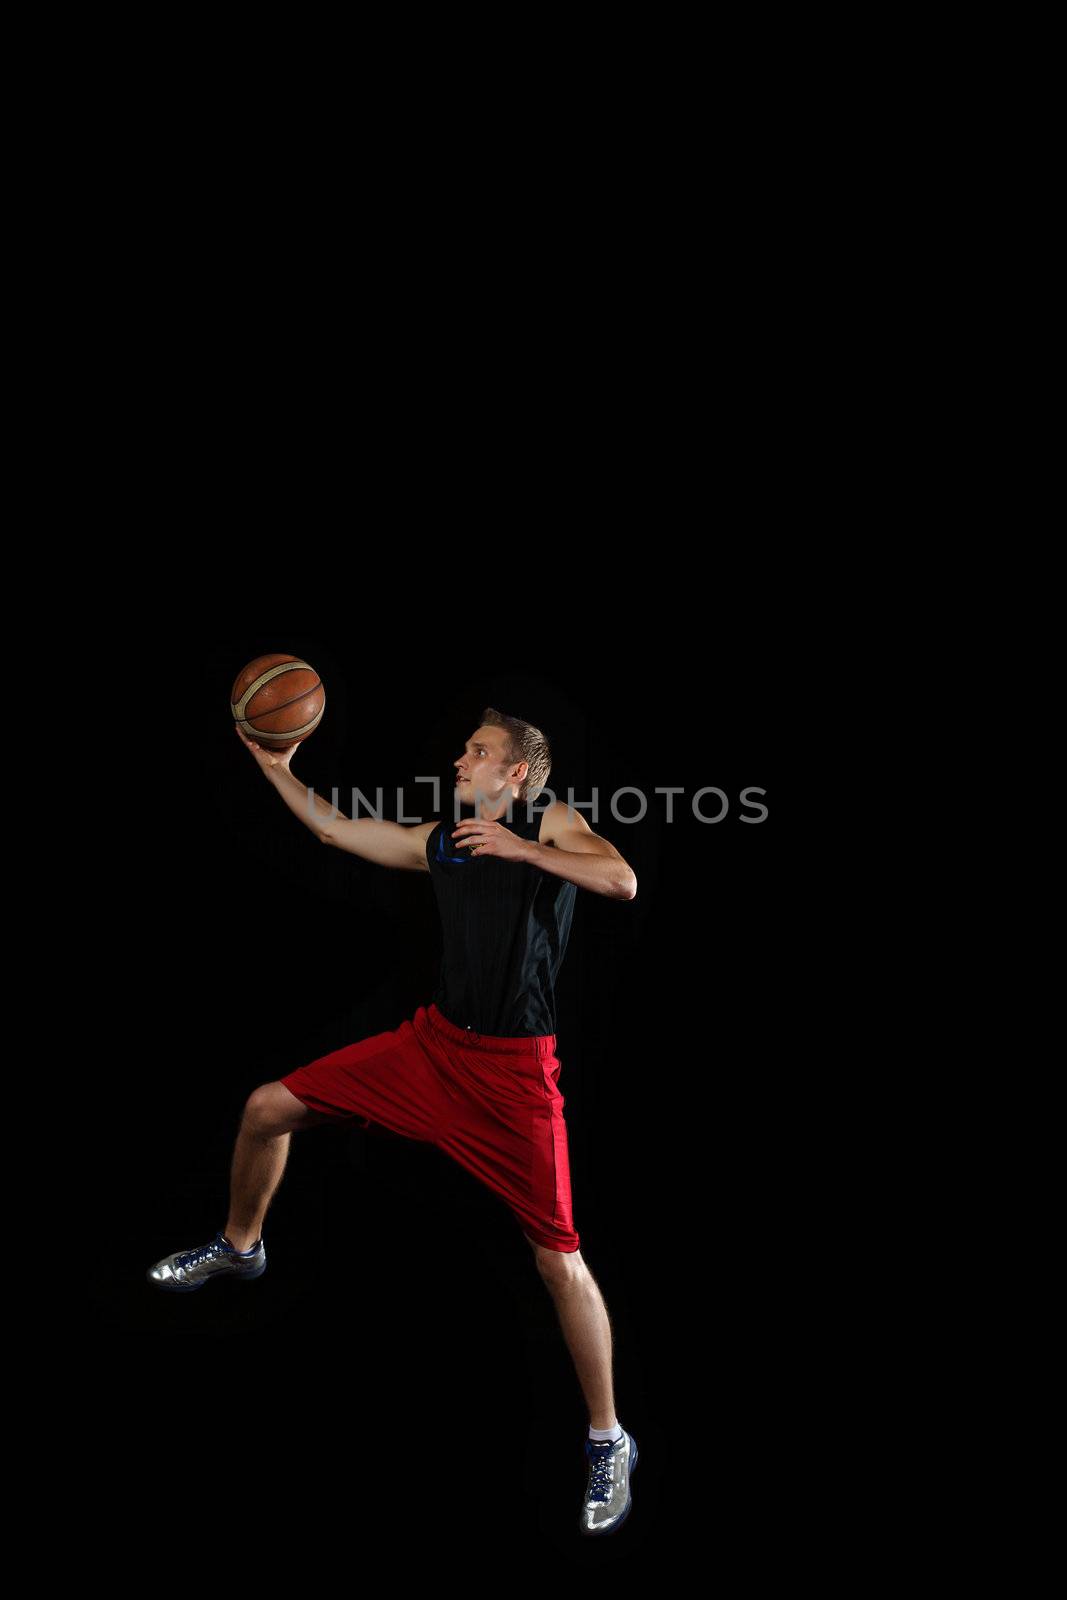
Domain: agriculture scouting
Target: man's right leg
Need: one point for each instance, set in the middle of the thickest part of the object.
(271, 1114)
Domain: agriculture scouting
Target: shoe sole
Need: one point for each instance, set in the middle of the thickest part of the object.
(191, 1288)
(602, 1533)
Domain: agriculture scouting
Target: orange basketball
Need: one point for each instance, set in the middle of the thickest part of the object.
(277, 700)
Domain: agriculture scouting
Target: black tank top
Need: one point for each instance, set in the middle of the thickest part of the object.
(505, 926)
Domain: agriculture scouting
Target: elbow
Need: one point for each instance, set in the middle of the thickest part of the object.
(324, 837)
(628, 887)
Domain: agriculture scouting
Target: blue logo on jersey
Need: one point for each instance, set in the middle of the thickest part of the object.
(464, 854)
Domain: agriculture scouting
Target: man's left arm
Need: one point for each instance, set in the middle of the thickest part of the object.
(580, 855)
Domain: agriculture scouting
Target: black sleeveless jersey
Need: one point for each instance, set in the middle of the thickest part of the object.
(505, 926)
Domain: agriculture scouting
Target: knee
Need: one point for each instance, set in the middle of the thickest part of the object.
(559, 1268)
(262, 1114)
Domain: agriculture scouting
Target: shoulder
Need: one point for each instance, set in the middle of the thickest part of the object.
(559, 819)
(564, 827)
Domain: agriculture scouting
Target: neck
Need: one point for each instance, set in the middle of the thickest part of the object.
(492, 809)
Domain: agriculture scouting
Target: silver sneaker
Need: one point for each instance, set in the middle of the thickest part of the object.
(187, 1270)
(607, 1495)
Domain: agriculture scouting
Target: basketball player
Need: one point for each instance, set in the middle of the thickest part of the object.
(476, 1072)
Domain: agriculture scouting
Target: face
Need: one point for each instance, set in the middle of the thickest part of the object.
(482, 766)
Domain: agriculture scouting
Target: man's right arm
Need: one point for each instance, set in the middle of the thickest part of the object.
(388, 844)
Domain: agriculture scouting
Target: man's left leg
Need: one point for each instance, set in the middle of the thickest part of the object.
(583, 1317)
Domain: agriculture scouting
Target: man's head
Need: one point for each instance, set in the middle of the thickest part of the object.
(504, 757)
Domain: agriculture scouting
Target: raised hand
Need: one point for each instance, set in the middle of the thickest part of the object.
(267, 758)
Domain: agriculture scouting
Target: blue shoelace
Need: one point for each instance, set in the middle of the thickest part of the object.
(193, 1258)
(601, 1451)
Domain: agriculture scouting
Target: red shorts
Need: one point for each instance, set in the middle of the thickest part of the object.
(492, 1104)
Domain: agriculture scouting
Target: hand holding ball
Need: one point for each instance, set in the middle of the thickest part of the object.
(277, 702)
(266, 759)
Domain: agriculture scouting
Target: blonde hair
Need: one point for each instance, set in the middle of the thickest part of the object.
(524, 743)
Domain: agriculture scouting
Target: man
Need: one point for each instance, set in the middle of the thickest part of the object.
(475, 1072)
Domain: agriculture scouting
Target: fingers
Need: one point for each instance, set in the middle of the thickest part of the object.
(281, 752)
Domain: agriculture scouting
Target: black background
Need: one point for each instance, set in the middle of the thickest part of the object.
(398, 1372)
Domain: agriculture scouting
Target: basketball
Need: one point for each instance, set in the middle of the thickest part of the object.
(277, 700)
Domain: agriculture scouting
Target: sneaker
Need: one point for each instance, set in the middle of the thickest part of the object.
(607, 1495)
(190, 1269)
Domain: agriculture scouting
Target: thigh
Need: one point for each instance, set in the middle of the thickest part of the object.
(388, 1078)
(517, 1146)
